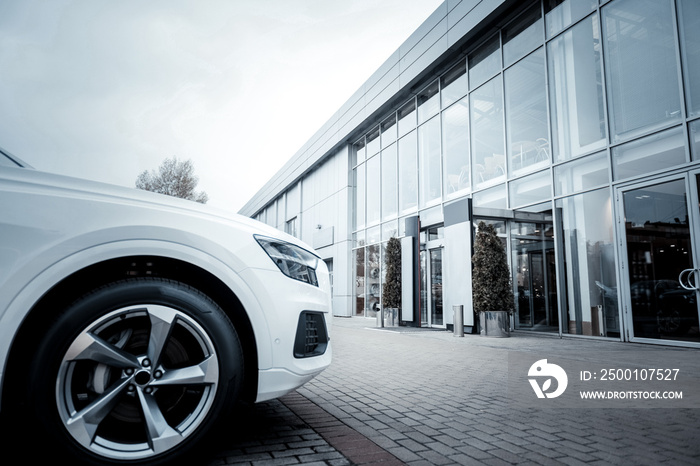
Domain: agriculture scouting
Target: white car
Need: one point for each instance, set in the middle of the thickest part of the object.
(130, 322)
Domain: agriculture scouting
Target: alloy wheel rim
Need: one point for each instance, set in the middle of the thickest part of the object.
(137, 382)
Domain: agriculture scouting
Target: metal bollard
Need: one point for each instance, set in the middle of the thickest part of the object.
(458, 320)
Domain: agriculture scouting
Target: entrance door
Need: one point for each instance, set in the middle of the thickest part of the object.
(534, 276)
(431, 314)
(660, 227)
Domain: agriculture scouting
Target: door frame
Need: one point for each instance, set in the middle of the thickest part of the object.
(427, 247)
(689, 177)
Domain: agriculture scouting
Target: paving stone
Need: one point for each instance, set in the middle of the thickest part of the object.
(425, 398)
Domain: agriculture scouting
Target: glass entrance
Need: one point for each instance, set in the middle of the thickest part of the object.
(532, 246)
(431, 314)
(660, 228)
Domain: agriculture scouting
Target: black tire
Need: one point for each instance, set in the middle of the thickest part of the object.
(135, 372)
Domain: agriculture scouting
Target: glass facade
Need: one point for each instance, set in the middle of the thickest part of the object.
(544, 121)
(575, 129)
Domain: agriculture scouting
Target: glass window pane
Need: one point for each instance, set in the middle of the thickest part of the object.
(431, 216)
(589, 262)
(374, 235)
(582, 174)
(407, 117)
(576, 91)
(640, 64)
(488, 154)
(492, 198)
(560, 14)
(408, 173)
(455, 147)
(388, 128)
(360, 282)
(484, 62)
(649, 154)
(359, 151)
(523, 35)
(659, 249)
(689, 23)
(428, 102)
(695, 139)
(373, 190)
(360, 197)
(389, 183)
(530, 189)
(374, 289)
(526, 114)
(373, 142)
(429, 178)
(390, 230)
(359, 238)
(454, 84)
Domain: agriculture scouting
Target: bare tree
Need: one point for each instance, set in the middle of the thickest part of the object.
(174, 178)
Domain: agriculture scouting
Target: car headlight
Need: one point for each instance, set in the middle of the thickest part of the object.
(293, 261)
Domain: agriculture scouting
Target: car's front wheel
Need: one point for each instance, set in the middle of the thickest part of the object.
(134, 372)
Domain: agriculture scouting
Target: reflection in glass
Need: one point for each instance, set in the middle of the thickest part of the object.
(523, 35)
(424, 288)
(534, 275)
(373, 142)
(374, 235)
(591, 286)
(492, 198)
(390, 230)
(373, 187)
(689, 24)
(576, 91)
(408, 173)
(360, 197)
(526, 114)
(530, 189)
(388, 128)
(436, 286)
(407, 117)
(581, 174)
(453, 84)
(455, 147)
(649, 154)
(694, 129)
(359, 151)
(389, 183)
(429, 163)
(360, 282)
(488, 154)
(373, 283)
(484, 62)
(640, 65)
(560, 14)
(658, 250)
(431, 216)
(428, 102)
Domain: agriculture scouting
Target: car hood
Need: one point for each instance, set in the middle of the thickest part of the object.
(87, 189)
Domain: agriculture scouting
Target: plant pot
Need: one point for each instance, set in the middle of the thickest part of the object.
(494, 324)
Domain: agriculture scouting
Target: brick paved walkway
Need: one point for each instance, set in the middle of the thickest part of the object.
(429, 398)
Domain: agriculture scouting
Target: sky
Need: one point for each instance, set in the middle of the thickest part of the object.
(104, 89)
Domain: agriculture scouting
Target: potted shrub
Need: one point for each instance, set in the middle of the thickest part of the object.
(491, 283)
(391, 294)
